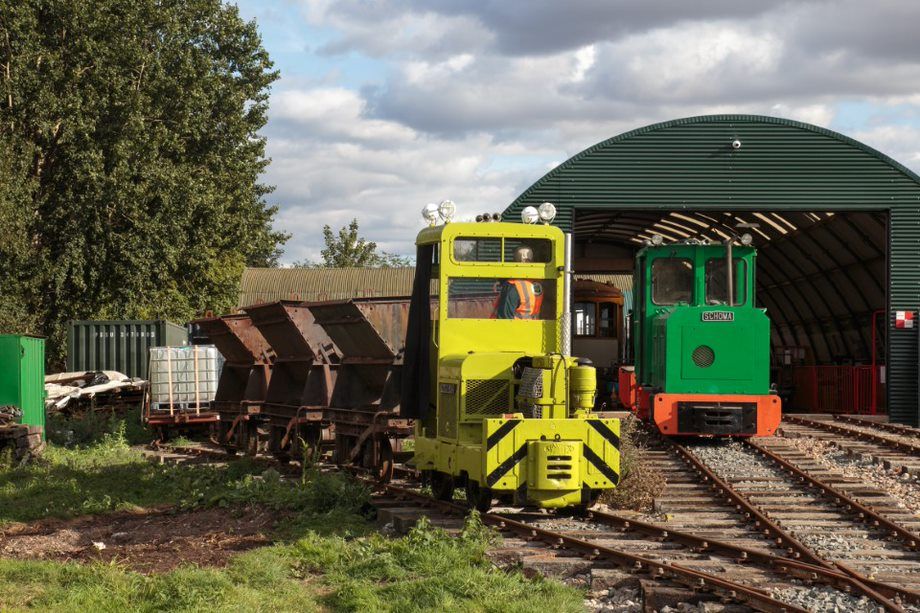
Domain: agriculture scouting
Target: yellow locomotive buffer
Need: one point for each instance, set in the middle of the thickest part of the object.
(500, 408)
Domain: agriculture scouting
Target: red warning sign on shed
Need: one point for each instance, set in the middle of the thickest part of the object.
(903, 319)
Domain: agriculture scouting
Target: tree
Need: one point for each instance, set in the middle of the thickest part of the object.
(348, 250)
(129, 142)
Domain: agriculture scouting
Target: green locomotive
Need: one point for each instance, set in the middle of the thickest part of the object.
(701, 346)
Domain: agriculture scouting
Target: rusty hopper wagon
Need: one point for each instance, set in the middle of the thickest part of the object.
(244, 380)
(303, 376)
(370, 334)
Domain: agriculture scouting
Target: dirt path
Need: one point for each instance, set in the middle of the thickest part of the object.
(151, 542)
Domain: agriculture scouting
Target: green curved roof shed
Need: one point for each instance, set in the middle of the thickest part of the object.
(825, 277)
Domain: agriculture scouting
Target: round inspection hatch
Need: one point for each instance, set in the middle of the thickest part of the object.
(703, 356)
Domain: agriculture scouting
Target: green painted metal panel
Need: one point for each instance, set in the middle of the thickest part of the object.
(22, 376)
(782, 165)
(123, 345)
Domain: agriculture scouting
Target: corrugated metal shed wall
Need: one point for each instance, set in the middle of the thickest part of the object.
(689, 164)
(317, 284)
(121, 345)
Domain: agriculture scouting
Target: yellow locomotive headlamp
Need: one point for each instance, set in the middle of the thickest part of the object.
(530, 214)
(430, 213)
(547, 212)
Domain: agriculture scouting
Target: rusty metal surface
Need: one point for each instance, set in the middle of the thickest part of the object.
(837, 428)
(696, 579)
(907, 537)
(365, 329)
(881, 592)
(235, 336)
(290, 330)
(881, 425)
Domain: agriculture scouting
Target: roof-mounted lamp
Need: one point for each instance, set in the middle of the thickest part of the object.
(547, 212)
(430, 213)
(530, 215)
(446, 210)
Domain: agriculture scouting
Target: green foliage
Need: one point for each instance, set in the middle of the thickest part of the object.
(91, 427)
(425, 571)
(326, 557)
(129, 160)
(349, 250)
(109, 475)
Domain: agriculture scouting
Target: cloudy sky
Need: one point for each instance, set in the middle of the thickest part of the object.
(386, 105)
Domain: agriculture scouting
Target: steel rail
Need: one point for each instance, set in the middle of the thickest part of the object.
(697, 580)
(880, 592)
(906, 536)
(858, 434)
(881, 425)
(781, 564)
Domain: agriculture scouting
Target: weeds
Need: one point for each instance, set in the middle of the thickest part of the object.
(88, 428)
(640, 483)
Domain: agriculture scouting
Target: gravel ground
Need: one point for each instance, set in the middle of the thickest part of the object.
(903, 488)
(733, 460)
(823, 600)
(618, 600)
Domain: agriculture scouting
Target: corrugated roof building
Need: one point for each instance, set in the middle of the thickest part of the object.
(317, 284)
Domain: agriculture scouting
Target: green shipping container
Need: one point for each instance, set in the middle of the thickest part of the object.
(22, 376)
(123, 345)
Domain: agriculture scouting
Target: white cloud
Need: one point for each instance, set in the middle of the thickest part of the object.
(478, 100)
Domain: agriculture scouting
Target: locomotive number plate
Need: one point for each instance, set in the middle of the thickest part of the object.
(718, 316)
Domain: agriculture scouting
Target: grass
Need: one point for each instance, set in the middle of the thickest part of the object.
(326, 556)
(424, 571)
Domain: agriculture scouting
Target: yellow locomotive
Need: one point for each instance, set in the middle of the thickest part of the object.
(500, 407)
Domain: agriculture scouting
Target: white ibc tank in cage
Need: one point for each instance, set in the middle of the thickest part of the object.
(184, 377)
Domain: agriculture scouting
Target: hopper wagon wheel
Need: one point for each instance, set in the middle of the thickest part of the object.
(223, 429)
(282, 454)
(308, 444)
(250, 441)
(377, 456)
(479, 498)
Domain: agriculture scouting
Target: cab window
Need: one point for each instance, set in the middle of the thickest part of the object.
(540, 249)
(478, 249)
(717, 281)
(672, 281)
(607, 320)
(491, 298)
(509, 250)
(584, 316)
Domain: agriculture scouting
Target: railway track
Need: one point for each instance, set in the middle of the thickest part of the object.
(821, 522)
(701, 540)
(898, 450)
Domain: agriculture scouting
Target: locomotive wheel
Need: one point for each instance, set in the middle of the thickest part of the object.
(479, 498)
(442, 486)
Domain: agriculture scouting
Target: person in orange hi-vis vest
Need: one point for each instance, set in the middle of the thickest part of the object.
(519, 298)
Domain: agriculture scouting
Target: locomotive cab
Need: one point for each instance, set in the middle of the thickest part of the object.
(499, 409)
(701, 346)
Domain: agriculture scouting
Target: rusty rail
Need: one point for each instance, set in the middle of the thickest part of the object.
(858, 434)
(879, 591)
(881, 425)
(865, 512)
(694, 579)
